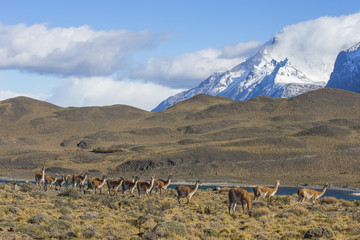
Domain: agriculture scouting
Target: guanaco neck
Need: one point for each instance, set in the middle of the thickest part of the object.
(322, 191)
(134, 183)
(167, 183)
(195, 188)
(83, 178)
(276, 186)
(152, 183)
(103, 180)
(43, 174)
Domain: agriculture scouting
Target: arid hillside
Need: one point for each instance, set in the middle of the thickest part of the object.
(313, 138)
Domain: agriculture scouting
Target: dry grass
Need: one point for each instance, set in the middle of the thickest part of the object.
(50, 215)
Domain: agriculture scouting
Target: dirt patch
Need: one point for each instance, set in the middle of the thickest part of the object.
(193, 158)
(292, 118)
(100, 114)
(58, 170)
(325, 131)
(249, 132)
(206, 127)
(237, 107)
(285, 142)
(151, 131)
(186, 142)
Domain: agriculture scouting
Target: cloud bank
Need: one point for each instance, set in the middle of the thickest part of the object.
(6, 94)
(74, 51)
(313, 45)
(188, 69)
(101, 91)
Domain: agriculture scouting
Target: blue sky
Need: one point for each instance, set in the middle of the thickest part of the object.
(80, 53)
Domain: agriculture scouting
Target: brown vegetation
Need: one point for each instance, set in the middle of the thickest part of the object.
(27, 212)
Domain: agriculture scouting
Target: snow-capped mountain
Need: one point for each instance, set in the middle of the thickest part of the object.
(346, 74)
(258, 75)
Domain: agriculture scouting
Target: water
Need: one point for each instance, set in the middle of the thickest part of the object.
(337, 193)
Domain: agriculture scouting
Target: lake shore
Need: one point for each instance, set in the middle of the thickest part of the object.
(219, 184)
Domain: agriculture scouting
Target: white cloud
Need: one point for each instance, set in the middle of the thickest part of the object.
(101, 91)
(74, 51)
(83, 52)
(188, 69)
(6, 94)
(313, 45)
(242, 49)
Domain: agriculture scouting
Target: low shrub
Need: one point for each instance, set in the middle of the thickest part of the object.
(65, 210)
(89, 232)
(211, 232)
(40, 217)
(329, 200)
(299, 210)
(319, 232)
(71, 193)
(259, 212)
(107, 150)
(165, 229)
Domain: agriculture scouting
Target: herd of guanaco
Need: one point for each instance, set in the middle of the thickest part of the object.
(236, 195)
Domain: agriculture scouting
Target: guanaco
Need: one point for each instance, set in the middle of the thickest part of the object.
(311, 194)
(145, 187)
(49, 181)
(239, 195)
(79, 180)
(59, 182)
(161, 184)
(40, 177)
(114, 184)
(265, 192)
(186, 191)
(69, 179)
(129, 185)
(97, 184)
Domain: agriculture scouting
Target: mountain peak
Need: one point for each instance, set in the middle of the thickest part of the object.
(354, 48)
(346, 73)
(259, 75)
